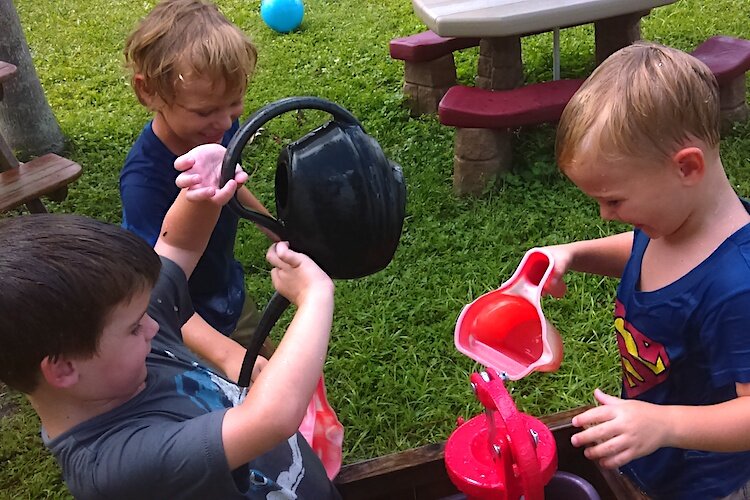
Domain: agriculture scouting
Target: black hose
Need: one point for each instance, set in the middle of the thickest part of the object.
(271, 314)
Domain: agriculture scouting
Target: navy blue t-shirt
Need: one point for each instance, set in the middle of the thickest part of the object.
(147, 190)
(687, 343)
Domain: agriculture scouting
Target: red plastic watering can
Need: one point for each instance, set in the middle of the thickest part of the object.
(506, 329)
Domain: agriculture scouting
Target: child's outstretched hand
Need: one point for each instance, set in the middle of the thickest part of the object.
(562, 256)
(201, 174)
(620, 430)
(295, 275)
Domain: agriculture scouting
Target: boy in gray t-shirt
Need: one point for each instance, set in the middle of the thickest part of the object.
(90, 330)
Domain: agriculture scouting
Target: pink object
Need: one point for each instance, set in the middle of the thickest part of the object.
(502, 453)
(323, 431)
(506, 330)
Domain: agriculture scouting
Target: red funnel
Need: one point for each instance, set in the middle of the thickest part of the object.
(506, 330)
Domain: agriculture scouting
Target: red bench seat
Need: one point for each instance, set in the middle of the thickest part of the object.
(427, 46)
(726, 57)
(472, 107)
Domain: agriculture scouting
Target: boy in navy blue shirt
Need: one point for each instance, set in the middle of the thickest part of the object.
(190, 66)
(641, 137)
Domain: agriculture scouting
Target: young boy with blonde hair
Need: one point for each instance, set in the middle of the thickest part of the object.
(190, 66)
(641, 137)
(90, 332)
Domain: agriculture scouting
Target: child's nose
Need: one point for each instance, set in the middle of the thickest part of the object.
(224, 120)
(151, 328)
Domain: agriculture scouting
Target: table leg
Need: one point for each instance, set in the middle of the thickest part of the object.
(614, 33)
(732, 103)
(500, 65)
(480, 154)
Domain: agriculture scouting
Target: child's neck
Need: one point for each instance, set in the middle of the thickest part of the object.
(715, 217)
(59, 413)
(163, 131)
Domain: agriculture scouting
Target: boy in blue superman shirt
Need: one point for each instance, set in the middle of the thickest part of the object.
(641, 137)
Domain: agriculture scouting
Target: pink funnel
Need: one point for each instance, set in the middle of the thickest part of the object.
(506, 330)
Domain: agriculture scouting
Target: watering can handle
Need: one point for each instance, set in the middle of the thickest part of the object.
(251, 127)
(494, 396)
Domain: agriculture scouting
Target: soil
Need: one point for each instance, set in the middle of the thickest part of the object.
(7, 405)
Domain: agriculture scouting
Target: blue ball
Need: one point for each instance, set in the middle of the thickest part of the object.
(282, 15)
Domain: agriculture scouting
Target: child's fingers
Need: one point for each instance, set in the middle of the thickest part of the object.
(240, 176)
(605, 398)
(201, 193)
(272, 255)
(186, 180)
(555, 286)
(224, 194)
(289, 256)
(184, 162)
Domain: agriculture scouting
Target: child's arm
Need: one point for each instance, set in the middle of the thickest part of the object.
(604, 256)
(248, 199)
(219, 350)
(190, 220)
(278, 400)
(621, 430)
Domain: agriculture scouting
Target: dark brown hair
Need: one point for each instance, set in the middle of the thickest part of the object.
(62, 275)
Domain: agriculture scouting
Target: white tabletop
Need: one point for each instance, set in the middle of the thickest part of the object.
(494, 18)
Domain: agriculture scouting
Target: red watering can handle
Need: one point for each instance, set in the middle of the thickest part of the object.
(493, 395)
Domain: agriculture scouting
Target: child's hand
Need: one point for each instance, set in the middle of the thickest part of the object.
(620, 430)
(201, 174)
(562, 256)
(295, 275)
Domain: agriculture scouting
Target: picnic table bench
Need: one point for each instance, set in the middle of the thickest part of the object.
(25, 183)
(483, 116)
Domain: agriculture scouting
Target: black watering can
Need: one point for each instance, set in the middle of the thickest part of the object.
(339, 200)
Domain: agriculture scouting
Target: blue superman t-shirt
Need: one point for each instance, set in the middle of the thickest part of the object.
(687, 344)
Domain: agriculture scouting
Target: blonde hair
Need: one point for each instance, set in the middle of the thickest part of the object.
(642, 102)
(184, 39)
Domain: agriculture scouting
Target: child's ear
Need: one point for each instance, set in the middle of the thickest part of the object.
(690, 164)
(145, 94)
(58, 372)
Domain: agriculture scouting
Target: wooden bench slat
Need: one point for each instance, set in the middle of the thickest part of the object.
(36, 178)
(472, 107)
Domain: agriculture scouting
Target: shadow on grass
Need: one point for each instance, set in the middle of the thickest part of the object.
(7, 405)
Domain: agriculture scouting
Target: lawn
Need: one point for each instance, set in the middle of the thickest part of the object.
(393, 373)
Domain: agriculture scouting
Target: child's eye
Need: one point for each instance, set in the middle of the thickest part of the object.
(203, 114)
(612, 203)
(137, 329)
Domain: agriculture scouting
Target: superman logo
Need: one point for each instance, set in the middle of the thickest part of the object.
(644, 363)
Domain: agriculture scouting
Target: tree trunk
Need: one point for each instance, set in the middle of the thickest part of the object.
(26, 120)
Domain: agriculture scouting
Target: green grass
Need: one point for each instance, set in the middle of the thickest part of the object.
(393, 373)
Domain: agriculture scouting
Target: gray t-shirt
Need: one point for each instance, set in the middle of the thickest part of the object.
(166, 442)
